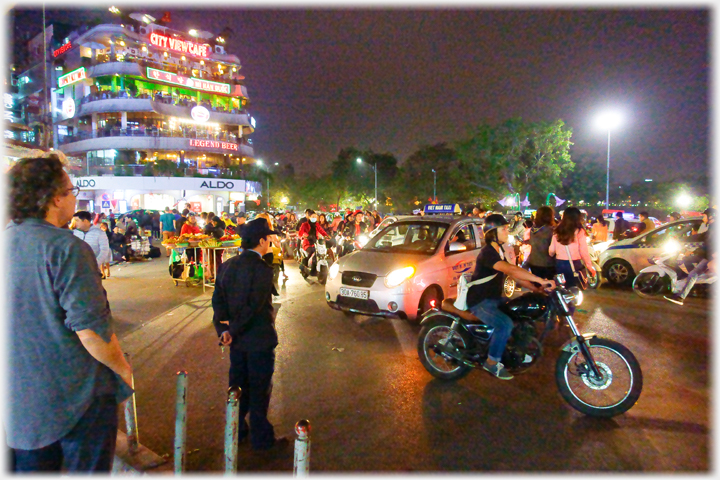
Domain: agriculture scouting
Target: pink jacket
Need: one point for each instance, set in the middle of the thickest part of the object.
(578, 248)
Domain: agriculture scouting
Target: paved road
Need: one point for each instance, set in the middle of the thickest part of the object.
(374, 408)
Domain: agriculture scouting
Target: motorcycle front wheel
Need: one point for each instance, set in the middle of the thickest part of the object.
(509, 287)
(438, 364)
(322, 274)
(614, 393)
(650, 284)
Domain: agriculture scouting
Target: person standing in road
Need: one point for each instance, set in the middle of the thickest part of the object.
(645, 219)
(156, 225)
(167, 222)
(570, 237)
(673, 216)
(93, 236)
(179, 222)
(599, 230)
(621, 226)
(244, 318)
(66, 370)
(540, 261)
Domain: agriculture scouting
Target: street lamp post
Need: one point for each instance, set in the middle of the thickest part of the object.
(608, 121)
(434, 185)
(359, 160)
(267, 169)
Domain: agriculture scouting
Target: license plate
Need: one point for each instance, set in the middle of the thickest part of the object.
(351, 292)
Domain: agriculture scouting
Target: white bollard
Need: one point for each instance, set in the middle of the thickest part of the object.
(302, 449)
(180, 422)
(232, 423)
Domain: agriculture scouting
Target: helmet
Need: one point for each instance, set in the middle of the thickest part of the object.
(493, 221)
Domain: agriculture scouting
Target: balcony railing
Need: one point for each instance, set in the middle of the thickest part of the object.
(151, 131)
(150, 170)
(156, 96)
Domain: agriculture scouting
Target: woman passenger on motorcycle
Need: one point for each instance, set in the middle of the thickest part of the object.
(539, 261)
(571, 233)
(309, 232)
(484, 300)
(322, 222)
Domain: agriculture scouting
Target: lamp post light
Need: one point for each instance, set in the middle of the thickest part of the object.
(608, 121)
(359, 160)
(267, 169)
(434, 185)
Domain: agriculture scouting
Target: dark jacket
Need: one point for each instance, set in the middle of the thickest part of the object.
(621, 226)
(243, 296)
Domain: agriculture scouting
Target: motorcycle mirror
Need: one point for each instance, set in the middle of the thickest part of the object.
(560, 279)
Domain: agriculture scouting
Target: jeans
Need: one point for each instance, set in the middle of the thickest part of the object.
(701, 268)
(252, 372)
(488, 312)
(89, 447)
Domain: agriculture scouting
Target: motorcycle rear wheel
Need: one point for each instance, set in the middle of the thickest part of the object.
(437, 364)
(615, 393)
(322, 274)
(650, 284)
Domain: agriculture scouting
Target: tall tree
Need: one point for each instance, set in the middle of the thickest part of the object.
(517, 157)
(585, 183)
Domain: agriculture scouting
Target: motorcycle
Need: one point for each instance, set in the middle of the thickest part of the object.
(594, 281)
(509, 285)
(289, 243)
(664, 274)
(596, 376)
(320, 261)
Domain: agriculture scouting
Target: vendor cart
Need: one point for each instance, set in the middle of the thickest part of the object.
(182, 270)
(229, 249)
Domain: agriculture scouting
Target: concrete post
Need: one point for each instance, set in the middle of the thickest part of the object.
(302, 449)
(180, 422)
(133, 435)
(232, 423)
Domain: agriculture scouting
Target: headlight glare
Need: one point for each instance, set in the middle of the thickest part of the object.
(396, 277)
(334, 270)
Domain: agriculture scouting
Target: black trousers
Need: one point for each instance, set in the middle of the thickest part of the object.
(252, 372)
(89, 447)
(543, 272)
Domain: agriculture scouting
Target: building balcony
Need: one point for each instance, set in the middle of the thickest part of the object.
(150, 138)
(90, 169)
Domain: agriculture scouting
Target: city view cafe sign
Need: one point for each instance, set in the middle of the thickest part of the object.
(179, 45)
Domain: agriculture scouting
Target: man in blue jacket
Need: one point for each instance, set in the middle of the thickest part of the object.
(244, 318)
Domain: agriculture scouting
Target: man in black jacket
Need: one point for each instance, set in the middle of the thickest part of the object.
(244, 319)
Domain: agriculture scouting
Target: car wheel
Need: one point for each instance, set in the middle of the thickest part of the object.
(618, 272)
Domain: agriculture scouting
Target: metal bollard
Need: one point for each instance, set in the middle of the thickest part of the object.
(302, 449)
(232, 423)
(180, 422)
(133, 436)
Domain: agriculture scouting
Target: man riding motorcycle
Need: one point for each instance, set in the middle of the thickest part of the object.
(309, 232)
(484, 299)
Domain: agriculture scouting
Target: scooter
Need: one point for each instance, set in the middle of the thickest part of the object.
(289, 243)
(320, 262)
(664, 274)
(594, 281)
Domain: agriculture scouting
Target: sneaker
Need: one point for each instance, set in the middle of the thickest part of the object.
(498, 370)
(674, 298)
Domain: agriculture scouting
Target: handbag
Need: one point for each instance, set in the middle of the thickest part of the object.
(581, 276)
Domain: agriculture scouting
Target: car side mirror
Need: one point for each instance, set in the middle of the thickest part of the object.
(456, 247)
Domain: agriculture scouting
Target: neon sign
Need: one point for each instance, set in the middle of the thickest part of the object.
(194, 83)
(184, 46)
(213, 144)
(62, 49)
(72, 77)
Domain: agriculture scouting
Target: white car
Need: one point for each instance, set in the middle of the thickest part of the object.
(622, 260)
(406, 269)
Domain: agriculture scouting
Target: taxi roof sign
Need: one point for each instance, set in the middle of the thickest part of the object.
(446, 208)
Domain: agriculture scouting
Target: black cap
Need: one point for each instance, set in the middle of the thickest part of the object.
(710, 212)
(257, 229)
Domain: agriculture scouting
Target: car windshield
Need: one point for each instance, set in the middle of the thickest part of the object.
(408, 237)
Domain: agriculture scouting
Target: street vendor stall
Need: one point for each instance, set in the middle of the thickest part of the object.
(214, 253)
(186, 258)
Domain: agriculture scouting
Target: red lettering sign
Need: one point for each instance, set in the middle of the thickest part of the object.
(72, 77)
(62, 49)
(189, 82)
(213, 144)
(179, 45)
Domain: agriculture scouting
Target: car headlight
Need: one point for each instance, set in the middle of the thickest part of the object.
(334, 270)
(395, 278)
(672, 246)
(362, 240)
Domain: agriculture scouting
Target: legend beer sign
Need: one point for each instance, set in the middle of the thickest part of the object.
(214, 144)
(72, 77)
(194, 83)
(179, 45)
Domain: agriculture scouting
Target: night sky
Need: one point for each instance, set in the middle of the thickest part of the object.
(392, 80)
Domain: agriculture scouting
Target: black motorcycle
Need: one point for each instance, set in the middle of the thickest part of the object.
(596, 376)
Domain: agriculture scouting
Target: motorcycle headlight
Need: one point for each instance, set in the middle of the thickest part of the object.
(334, 270)
(362, 240)
(577, 296)
(395, 278)
(671, 246)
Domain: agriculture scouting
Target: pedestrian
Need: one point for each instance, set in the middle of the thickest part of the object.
(93, 236)
(119, 245)
(645, 219)
(621, 226)
(105, 267)
(66, 370)
(155, 225)
(516, 225)
(190, 227)
(111, 217)
(674, 216)
(540, 262)
(244, 319)
(167, 223)
(240, 224)
(179, 222)
(569, 243)
(599, 230)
